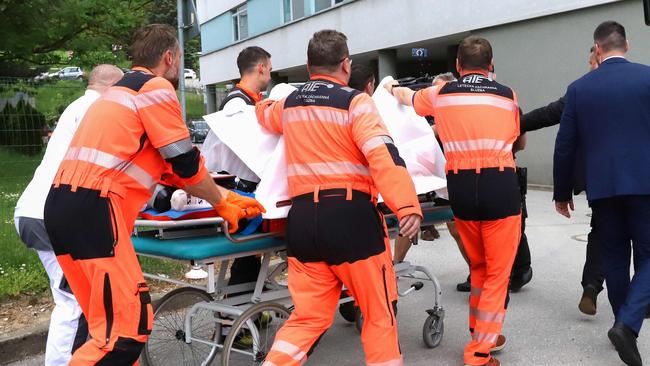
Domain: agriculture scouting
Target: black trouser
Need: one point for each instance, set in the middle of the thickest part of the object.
(592, 273)
(246, 269)
(522, 260)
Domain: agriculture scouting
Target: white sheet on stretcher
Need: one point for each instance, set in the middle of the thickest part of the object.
(264, 153)
(261, 150)
(415, 140)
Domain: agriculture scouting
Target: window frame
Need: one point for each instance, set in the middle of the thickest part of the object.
(292, 17)
(332, 3)
(236, 21)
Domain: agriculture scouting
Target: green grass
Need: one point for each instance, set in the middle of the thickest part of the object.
(21, 272)
(52, 99)
(194, 106)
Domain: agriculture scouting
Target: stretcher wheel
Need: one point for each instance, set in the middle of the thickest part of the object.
(433, 330)
(252, 334)
(167, 344)
(348, 311)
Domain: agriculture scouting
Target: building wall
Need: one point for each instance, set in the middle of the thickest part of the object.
(209, 9)
(541, 57)
(264, 15)
(221, 25)
(379, 24)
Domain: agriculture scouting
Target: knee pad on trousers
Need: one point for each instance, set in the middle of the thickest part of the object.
(125, 352)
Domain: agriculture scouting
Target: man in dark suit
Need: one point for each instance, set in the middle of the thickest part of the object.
(607, 115)
(592, 276)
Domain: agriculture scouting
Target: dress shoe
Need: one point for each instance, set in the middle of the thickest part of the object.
(501, 344)
(518, 281)
(464, 286)
(588, 301)
(624, 340)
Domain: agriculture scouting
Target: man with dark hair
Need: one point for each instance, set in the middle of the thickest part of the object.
(610, 36)
(129, 139)
(477, 120)
(592, 276)
(339, 157)
(607, 114)
(362, 79)
(255, 67)
(474, 53)
(250, 58)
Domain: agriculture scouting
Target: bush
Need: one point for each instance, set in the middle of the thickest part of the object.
(22, 128)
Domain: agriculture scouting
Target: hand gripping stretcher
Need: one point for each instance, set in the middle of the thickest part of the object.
(213, 323)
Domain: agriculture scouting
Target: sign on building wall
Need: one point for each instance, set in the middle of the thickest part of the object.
(422, 52)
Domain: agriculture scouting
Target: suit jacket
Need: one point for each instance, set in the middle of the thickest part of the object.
(542, 117)
(548, 116)
(607, 114)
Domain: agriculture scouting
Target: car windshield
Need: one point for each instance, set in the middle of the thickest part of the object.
(200, 125)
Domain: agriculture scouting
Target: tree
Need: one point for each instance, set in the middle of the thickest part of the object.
(33, 30)
(166, 14)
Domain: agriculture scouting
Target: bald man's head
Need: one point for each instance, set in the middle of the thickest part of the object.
(103, 76)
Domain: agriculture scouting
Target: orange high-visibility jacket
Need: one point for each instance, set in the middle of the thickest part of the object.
(335, 138)
(477, 120)
(130, 138)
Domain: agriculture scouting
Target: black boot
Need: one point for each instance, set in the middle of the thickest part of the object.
(624, 340)
(519, 280)
(464, 286)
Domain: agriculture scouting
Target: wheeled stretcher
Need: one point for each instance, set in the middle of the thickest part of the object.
(200, 323)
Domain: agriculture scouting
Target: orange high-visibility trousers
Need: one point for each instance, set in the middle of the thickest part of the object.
(315, 288)
(106, 281)
(491, 247)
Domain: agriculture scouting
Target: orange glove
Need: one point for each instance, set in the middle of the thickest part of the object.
(231, 213)
(250, 205)
(236, 207)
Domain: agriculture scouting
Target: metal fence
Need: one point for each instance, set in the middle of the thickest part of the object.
(29, 110)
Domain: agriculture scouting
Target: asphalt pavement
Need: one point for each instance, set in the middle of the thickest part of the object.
(543, 325)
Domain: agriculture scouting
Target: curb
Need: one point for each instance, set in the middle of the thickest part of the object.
(31, 341)
(27, 342)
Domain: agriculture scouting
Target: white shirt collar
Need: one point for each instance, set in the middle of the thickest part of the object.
(623, 57)
(91, 93)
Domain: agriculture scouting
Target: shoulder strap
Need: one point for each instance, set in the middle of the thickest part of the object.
(236, 93)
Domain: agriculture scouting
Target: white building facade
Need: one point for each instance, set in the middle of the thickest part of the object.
(539, 46)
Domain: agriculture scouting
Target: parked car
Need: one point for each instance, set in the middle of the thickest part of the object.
(71, 73)
(190, 74)
(198, 130)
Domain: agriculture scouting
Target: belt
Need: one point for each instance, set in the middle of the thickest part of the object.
(333, 193)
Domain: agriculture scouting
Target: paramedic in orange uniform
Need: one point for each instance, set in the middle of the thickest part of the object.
(339, 157)
(477, 120)
(131, 137)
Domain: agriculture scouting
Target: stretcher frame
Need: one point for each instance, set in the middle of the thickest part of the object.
(266, 289)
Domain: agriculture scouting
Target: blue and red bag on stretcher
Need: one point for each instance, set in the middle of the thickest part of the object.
(160, 209)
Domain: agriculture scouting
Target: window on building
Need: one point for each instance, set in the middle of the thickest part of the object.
(324, 4)
(293, 9)
(240, 23)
